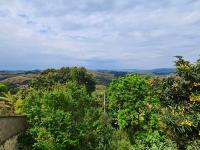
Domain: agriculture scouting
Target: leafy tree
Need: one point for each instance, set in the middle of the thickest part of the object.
(64, 118)
(179, 97)
(128, 97)
(48, 78)
(133, 107)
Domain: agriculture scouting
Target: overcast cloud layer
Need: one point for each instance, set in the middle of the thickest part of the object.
(98, 34)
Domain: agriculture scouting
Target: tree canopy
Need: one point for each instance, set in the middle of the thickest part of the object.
(48, 78)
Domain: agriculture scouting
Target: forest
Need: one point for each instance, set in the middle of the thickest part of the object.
(67, 109)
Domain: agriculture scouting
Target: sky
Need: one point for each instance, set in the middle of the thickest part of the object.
(98, 34)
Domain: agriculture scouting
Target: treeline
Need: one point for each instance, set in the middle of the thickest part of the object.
(66, 111)
(17, 79)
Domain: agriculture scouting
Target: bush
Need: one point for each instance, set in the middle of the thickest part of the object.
(56, 117)
(3, 88)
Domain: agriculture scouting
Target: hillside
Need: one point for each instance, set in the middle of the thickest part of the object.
(17, 78)
(157, 71)
(103, 77)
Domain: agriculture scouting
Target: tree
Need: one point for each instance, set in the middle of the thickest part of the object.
(128, 96)
(48, 78)
(179, 96)
(133, 107)
(56, 116)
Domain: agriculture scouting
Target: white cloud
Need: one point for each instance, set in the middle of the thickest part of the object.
(124, 34)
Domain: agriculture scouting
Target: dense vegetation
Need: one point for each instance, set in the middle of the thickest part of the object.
(66, 110)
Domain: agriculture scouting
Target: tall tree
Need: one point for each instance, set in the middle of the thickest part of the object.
(180, 99)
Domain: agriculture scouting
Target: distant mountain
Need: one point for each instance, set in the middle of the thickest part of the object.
(105, 76)
(157, 71)
(19, 71)
(164, 71)
(18, 78)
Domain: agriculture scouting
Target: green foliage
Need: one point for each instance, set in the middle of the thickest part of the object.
(120, 141)
(134, 107)
(8, 104)
(3, 88)
(139, 112)
(131, 100)
(56, 116)
(181, 126)
(50, 77)
(179, 97)
(99, 131)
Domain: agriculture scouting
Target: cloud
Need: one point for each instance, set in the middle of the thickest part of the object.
(98, 33)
